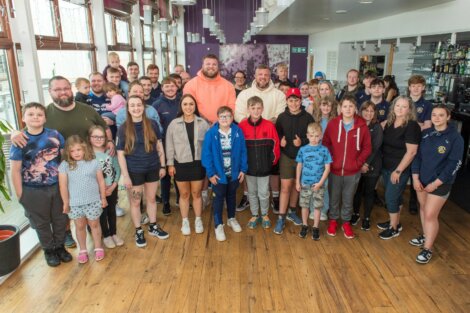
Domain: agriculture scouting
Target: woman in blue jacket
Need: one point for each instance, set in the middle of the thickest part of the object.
(225, 158)
(434, 169)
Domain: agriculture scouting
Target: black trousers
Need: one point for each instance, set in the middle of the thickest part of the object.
(366, 189)
(108, 217)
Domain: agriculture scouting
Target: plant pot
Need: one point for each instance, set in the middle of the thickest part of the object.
(9, 249)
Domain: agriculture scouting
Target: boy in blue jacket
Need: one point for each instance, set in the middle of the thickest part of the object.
(225, 159)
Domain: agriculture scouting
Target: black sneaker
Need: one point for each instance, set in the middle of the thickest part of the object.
(158, 199)
(355, 218)
(389, 233)
(140, 239)
(51, 257)
(244, 203)
(63, 254)
(166, 209)
(418, 241)
(275, 205)
(365, 224)
(157, 231)
(304, 231)
(386, 225)
(424, 256)
(315, 233)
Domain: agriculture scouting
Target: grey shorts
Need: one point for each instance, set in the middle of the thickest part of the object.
(311, 199)
(91, 211)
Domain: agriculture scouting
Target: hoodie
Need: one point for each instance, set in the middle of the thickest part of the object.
(167, 110)
(289, 125)
(439, 155)
(349, 150)
(211, 94)
(274, 102)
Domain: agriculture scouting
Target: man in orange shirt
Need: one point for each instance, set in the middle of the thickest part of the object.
(210, 89)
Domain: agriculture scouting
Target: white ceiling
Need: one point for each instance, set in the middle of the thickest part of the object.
(305, 17)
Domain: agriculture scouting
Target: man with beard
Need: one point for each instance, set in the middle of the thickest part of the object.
(153, 72)
(274, 102)
(211, 90)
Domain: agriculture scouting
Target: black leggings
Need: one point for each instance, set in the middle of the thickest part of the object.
(108, 217)
(365, 188)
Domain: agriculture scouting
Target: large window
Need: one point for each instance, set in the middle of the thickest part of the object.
(44, 18)
(74, 21)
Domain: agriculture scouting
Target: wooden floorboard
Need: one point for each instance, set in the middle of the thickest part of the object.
(255, 271)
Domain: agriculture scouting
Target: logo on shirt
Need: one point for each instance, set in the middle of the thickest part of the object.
(419, 110)
(441, 149)
(381, 112)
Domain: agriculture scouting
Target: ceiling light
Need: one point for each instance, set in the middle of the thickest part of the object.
(206, 15)
(262, 15)
(366, 1)
(341, 11)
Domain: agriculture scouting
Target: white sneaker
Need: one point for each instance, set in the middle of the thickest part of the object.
(219, 233)
(233, 223)
(118, 241)
(323, 216)
(198, 226)
(144, 219)
(185, 229)
(120, 211)
(311, 216)
(109, 242)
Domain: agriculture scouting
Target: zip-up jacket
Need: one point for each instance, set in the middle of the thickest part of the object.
(289, 125)
(212, 158)
(375, 158)
(349, 150)
(167, 110)
(262, 143)
(439, 155)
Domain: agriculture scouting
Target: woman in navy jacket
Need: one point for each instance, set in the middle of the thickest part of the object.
(434, 169)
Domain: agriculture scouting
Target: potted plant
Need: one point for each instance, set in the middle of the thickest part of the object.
(9, 234)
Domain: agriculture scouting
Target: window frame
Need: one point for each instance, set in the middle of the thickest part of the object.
(145, 49)
(117, 46)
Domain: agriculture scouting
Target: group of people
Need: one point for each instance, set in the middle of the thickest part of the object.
(286, 147)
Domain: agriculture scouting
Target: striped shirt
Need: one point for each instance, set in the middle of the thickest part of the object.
(82, 182)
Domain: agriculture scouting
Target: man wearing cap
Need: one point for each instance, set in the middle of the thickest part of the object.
(291, 126)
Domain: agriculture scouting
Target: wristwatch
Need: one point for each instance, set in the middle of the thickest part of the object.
(398, 171)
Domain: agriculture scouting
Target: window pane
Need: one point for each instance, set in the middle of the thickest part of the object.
(122, 29)
(74, 22)
(148, 36)
(124, 57)
(71, 64)
(148, 59)
(108, 22)
(43, 17)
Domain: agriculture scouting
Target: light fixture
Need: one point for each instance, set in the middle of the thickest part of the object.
(341, 11)
(183, 2)
(262, 14)
(163, 25)
(366, 1)
(206, 15)
(212, 23)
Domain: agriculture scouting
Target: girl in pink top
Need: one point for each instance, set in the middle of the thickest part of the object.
(117, 100)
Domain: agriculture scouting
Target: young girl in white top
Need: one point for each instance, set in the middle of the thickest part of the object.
(82, 189)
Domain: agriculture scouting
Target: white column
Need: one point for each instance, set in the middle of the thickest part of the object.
(137, 38)
(22, 32)
(99, 32)
(181, 51)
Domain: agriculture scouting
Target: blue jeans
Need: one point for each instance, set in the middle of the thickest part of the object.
(394, 192)
(227, 192)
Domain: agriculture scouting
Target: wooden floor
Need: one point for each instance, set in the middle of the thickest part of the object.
(255, 271)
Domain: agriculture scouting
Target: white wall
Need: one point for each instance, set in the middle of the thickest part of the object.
(440, 19)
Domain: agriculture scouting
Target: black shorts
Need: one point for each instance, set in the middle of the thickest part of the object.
(442, 191)
(191, 171)
(150, 176)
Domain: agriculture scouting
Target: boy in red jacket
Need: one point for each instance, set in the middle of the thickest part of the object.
(262, 143)
(347, 138)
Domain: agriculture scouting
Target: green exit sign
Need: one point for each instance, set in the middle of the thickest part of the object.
(299, 49)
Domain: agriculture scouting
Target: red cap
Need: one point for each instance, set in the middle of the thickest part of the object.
(293, 92)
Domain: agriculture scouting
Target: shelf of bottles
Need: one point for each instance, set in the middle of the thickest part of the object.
(439, 63)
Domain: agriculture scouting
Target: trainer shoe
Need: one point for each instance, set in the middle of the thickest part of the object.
(280, 224)
(355, 218)
(386, 225)
(166, 209)
(140, 238)
(157, 231)
(69, 241)
(266, 223)
(198, 226)
(244, 203)
(365, 224)
(347, 230)
(332, 225)
(234, 225)
(51, 257)
(275, 205)
(424, 256)
(219, 233)
(253, 222)
(323, 216)
(418, 241)
(109, 242)
(303, 231)
(63, 254)
(389, 233)
(120, 211)
(118, 241)
(144, 219)
(185, 228)
(315, 233)
(291, 216)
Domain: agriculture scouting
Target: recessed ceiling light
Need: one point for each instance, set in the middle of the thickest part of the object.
(341, 11)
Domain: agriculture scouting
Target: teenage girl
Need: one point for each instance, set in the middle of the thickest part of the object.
(82, 189)
(111, 174)
(142, 161)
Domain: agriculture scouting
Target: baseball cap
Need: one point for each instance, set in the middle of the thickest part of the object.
(293, 92)
(319, 74)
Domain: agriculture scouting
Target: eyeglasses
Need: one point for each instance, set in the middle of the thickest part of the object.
(98, 137)
(59, 90)
(225, 117)
(239, 77)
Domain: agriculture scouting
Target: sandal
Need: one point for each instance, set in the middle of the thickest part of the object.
(82, 256)
(266, 223)
(99, 254)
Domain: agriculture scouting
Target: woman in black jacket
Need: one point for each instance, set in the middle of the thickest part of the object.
(371, 169)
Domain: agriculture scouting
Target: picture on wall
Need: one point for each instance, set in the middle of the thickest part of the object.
(236, 57)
